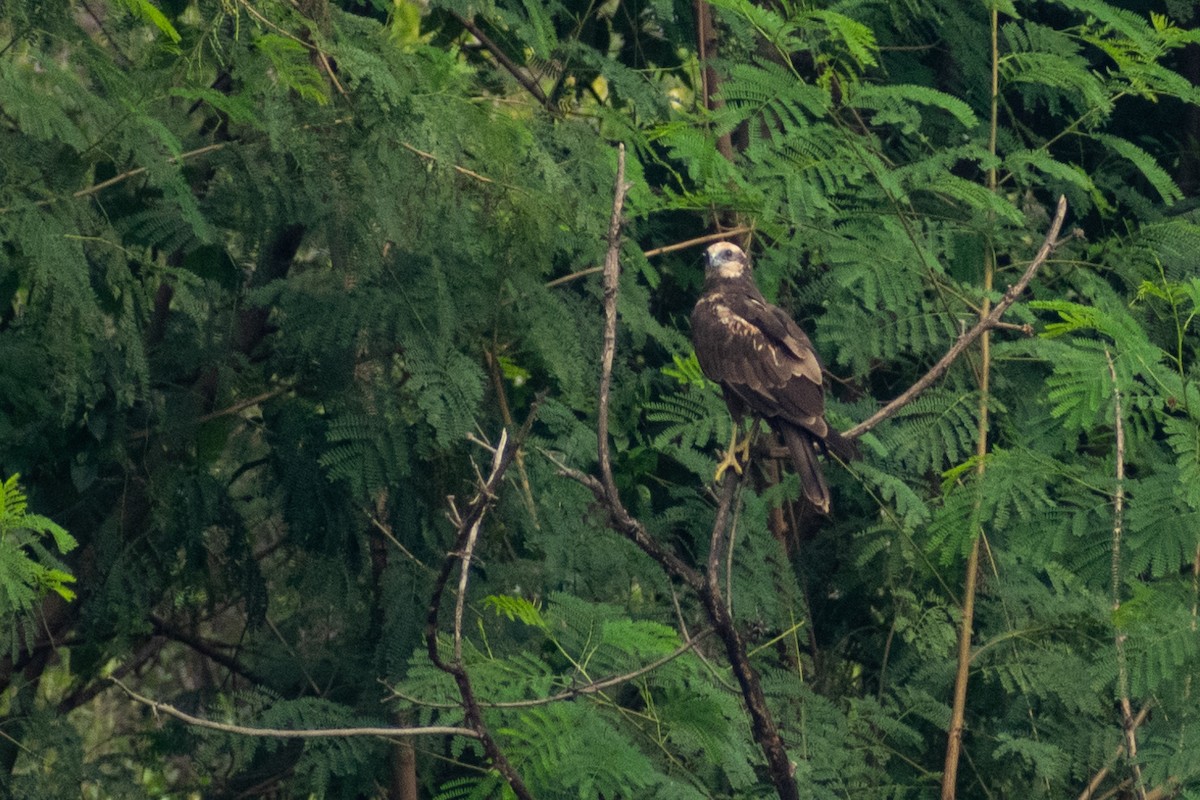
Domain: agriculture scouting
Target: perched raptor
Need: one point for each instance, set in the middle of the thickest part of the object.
(766, 366)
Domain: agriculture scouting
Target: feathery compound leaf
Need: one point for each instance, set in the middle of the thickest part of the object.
(516, 608)
(447, 386)
(573, 747)
(28, 569)
(883, 98)
(1146, 164)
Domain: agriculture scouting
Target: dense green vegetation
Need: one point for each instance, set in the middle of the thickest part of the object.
(275, 275)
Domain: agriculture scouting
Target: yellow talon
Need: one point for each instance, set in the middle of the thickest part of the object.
(731, 456)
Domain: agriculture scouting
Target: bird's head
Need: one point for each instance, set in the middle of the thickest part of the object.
(726, 260)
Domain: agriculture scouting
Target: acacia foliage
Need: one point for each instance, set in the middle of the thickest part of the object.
(266, 266)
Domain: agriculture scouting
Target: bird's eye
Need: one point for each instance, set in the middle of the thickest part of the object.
(726, 253)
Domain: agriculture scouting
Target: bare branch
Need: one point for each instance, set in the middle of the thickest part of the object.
(468, 549)
(699, 240)
(964, 341)
(455, 167)
(612, 276)
(286, 733)
(762, 725)
(386, 531)
(605, 488)
(236, 408)
(96, 188)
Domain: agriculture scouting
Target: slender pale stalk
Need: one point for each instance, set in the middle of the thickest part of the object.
(962, 673)
(1130, 729)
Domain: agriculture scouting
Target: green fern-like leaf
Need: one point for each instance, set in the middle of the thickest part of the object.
(1145, 163)
(934, 432)
(569, 748)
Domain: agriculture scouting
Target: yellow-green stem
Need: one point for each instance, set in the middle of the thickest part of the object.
(959, 706)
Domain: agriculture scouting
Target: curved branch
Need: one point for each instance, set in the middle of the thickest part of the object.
(605, 489)
(657, 251)
(992, 320)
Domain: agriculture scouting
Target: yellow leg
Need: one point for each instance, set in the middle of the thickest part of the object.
(731, 455)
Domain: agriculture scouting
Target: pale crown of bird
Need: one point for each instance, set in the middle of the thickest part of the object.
(726, 258)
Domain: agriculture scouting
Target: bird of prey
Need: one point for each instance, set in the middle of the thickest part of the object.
(765, 366)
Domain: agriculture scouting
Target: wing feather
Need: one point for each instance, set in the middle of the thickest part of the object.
(756, 352)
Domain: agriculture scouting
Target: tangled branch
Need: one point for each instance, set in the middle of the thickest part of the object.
(468, 524)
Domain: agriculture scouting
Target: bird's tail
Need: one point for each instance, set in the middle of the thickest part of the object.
(804, 457)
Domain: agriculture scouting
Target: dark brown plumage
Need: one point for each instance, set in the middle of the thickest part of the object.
(765, 365)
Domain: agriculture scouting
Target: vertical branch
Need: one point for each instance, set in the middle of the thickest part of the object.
(493, 363)
(762, 724)
(958, 710)
(706, 50)
(1127, 723)
(612, 276)
(962, 672)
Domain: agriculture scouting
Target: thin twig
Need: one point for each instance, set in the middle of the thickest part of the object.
(986, 323)
(616, 680)
(292, 652)
(699, 240)
(1130, 730)
(236, 408)
(455, 167)
(386, 530)
(286, 733)
(657, 251)
(148, 650)
(576, 691)
(321, 56)
(95, 188)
